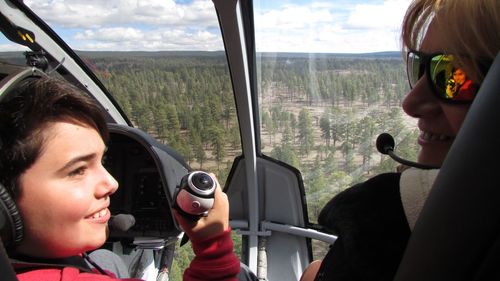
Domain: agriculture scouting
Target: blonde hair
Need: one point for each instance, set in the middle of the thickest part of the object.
(471, 27)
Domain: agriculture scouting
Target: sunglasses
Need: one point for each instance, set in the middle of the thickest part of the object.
(448, 82)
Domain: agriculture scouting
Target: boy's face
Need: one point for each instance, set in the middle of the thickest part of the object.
(459, 76)
(64, 195)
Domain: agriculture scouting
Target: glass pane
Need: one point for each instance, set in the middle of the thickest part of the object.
(12, 53)
(331, 79)
(164, 63)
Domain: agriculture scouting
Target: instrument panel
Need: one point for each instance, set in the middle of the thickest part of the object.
(144, 188)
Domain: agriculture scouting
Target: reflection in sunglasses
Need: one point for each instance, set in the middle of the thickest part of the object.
(448, 82)
(459, 86)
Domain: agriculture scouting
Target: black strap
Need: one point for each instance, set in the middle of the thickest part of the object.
(6, 270)
(25, 263)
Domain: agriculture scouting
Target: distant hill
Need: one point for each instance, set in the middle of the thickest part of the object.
(11, 55)
(392, 54)
(110, 54)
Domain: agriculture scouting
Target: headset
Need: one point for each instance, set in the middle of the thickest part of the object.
(11, 223)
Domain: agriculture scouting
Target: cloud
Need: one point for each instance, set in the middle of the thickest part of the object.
(292, 17)
(130, 39)
(319, 26)
(97, 13)
(368, 17)
(114, 34)
(331, 27)
(133, 24)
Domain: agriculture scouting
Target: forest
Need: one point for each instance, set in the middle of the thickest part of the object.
(323, 114)
(320, 113)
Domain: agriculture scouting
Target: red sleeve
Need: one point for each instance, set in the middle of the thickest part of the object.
(214, 260)
(67, 274)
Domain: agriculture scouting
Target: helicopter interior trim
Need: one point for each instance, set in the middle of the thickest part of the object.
(230, 21)
(60, 54)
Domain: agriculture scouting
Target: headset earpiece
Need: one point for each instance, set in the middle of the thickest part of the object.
(11, 225)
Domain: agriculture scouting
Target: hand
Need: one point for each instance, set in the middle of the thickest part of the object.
(215, 223)
(311, 271)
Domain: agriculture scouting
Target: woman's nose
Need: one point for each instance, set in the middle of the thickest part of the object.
(420, 101)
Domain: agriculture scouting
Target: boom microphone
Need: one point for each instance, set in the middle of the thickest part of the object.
(121, 222)
(385, 145)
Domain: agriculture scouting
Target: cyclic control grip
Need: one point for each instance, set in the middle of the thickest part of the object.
(195, 195)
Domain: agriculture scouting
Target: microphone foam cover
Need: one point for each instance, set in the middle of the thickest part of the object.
(385, 143)
(122, 222)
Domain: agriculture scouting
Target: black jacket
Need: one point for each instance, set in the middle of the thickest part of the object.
(372, 231)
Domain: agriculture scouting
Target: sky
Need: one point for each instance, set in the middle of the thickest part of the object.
(335, 26)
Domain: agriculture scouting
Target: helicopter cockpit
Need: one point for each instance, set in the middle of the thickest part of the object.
(282, 128)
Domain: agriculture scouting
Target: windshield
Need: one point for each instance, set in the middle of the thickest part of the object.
(165, 65)
(163, 61)
(331, 79)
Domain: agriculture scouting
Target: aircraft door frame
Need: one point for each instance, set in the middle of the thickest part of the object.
(267, 198)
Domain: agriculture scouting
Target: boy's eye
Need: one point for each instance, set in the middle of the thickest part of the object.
(77, 172)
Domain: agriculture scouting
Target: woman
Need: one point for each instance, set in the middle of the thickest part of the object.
(373, 220)
(53, 139)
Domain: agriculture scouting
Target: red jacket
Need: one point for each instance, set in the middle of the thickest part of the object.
(467, 91)
(214, 260)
